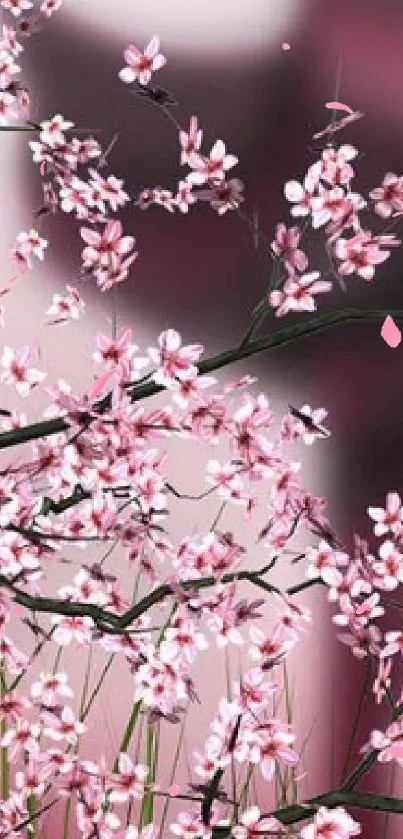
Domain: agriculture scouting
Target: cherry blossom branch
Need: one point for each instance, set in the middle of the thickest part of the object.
(368, 761)
(279, 338)
(338, 798)
(111, 623)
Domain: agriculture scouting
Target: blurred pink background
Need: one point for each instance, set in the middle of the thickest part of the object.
(202, 276)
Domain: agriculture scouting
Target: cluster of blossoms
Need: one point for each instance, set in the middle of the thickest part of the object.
(14, 96)
(359, 585)
(82, 479)
(326, 199)
(108, 254)
(81, 482)
(104, 448)
(209, 171)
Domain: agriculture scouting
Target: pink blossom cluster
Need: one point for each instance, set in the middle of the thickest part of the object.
(325, 198)
(120, 450)
(67, 493)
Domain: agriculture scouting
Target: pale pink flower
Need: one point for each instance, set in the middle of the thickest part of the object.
(8, 68)
(107, 189)
(32, 779)
(71, 629)
(48, 685)
(16, 370)
(334, 206)
(8, 107)
(52, 131)
(389, 744)
(101, 247)
(212, 168)
(190, 826)
(9, 41)
(49, 7)
(65, 727)
(182, 639)
(116, 352)
(269, 647)
(273, 744)
(115, 272)
(394, 644)
(252, 691)
(298, 293)
(164, 198)
(332, 824)
(173, 360)
(129, 782)
(301, 195)
(184, 197)
(389, 571)
(24, 737)
(141, 65)
(336, 168)
(64, 309)
(360, 255)
(251, 825)
(389, 196)
(28, 244)
(190, 142)
(324, 562)
(76, 195)
(17, 7)
(190, 388)
(285, 245)
(388, 518)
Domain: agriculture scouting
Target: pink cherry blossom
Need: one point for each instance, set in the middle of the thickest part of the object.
(8, 68)
(49, 7)
(389, 196)
(173, 360)
(128, 783)
(389, 570)
(52, 131)
(185, 197)
(297, 293)
(17, 7)
(223, 195)
(361, 254)
(251, 824)
(301, 195)
(64, 309)
(324, 562)
(26, 245)
(142, 65)
(336, 168)
(190, 141)
(16, 370)
(285, 245)
(388, 518)
(334, 824)
(212, 168)
(9, 41)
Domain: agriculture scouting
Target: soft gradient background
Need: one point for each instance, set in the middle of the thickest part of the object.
(202, 275)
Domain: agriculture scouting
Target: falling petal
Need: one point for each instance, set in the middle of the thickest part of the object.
(391, 333)
(338, 106)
